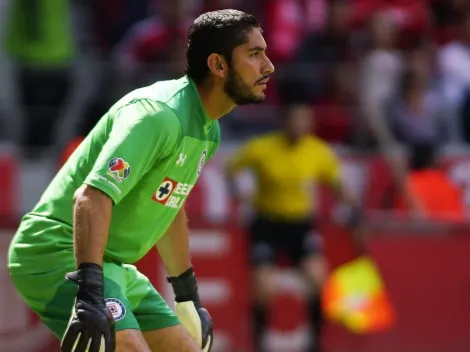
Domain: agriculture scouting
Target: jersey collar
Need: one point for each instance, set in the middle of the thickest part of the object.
(208, 122)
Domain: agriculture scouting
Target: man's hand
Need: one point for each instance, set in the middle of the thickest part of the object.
(352, 217)
(195, 319)
(91, 327)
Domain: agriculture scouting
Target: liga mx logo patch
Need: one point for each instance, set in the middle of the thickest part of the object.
(117, 309)
(118, 169)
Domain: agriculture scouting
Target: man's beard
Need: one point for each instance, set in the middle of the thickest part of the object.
(239, 91)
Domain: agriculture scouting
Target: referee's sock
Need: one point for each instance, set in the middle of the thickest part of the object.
(316, 322)
(260, 317)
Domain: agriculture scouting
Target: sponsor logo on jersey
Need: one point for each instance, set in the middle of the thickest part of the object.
(164, 191)
(112, 184)
(171, 193)
(118, 169)
(202, 161)
(117, 309)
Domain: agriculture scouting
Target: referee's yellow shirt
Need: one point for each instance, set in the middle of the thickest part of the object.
(285, 173)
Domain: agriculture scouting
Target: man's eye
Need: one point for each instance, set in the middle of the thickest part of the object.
(255, 54)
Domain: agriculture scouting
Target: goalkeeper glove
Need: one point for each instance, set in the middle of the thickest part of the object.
(91, 327)
(195, 319)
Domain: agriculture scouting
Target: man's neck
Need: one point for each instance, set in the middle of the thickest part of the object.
(215, 102)
(291, 139)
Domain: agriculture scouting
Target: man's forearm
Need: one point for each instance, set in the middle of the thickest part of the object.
(173, 247)
(91, 220)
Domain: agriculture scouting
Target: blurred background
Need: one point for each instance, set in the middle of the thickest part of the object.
(378, 76)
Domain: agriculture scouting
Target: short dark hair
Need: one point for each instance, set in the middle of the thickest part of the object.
(218, 32)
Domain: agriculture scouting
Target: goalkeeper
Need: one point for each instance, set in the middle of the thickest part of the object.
(123, 191)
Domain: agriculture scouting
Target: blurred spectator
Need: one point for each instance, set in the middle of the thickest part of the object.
(3, 127)
(319, 52)
(380, 73)
(445, 15)
(417, 113)
(158, 40)
(287, 21)
(454, 65)
(39, 38)
(437, 196)
(113, 18)
(412, 16)
(335, 111)
(464, 113)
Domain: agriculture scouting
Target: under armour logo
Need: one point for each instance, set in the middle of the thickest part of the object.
(181, 159)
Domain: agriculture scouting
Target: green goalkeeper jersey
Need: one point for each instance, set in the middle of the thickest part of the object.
(146, 153)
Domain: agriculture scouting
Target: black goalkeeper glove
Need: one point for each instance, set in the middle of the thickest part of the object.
(91, 327)
(195, 319)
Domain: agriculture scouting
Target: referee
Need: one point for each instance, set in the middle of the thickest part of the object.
(286, 164)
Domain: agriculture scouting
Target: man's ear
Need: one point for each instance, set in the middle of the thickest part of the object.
(217, 65)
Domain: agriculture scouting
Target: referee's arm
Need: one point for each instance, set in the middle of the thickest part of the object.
(331, 176)
(350, 210)
(351, 213)
(243, 160)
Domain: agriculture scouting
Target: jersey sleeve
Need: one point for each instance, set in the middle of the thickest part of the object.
(245, 158)
(331, 170)
(143, 133)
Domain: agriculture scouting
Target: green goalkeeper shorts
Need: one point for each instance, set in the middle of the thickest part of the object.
(129, 295)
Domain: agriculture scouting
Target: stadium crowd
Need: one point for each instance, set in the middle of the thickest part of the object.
(375, 72)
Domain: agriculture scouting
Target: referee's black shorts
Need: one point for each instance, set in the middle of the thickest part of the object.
(269, 237)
